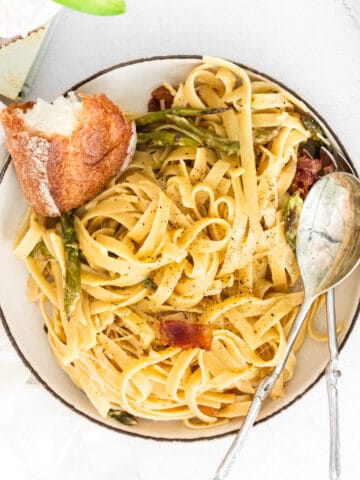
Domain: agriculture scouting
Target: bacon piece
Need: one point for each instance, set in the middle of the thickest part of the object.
(153, 105)
(312, 165)
(160, 93)
(180, 333)
(307, 172)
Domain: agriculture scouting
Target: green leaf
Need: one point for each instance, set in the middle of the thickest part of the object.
(123, 417)
(96, 7)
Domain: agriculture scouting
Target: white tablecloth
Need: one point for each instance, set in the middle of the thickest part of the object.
(313, 47)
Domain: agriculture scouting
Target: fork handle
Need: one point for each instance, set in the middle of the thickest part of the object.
(262, 392)
(332, 375)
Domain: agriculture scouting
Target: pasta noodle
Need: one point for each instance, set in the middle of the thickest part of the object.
(187, 233)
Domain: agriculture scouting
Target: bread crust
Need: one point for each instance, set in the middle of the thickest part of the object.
(77, 167)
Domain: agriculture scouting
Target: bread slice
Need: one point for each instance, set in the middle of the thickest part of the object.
(66, 152)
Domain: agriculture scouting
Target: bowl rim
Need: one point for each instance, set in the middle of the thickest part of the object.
(72, 407)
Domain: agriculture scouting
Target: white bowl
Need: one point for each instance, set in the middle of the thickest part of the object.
(129, 85)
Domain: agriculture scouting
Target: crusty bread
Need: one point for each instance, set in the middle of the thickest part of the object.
(60, 172)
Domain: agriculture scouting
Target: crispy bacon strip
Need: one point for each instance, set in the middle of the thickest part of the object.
(179, 333)
(160, 93)
(308, 172)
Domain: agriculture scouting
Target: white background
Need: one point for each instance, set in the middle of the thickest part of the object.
(313, 46)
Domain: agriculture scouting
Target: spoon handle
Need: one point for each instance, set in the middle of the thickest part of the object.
(262, 392)
(332, 375)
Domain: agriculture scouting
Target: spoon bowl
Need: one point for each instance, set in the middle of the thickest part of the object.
(328, 238)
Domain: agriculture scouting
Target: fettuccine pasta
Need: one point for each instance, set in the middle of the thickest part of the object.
(188, 234)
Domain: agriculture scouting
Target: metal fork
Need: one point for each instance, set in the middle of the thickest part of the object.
(332, 375)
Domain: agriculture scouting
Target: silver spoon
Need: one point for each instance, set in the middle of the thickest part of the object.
(327, 250)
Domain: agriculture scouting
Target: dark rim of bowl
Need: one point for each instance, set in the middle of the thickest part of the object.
(126, 432)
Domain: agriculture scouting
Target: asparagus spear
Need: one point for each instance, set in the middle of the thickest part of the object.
(72, 263)
(41, 250)
(123, 417)
(262, 136)
(204, 136)
(315, 130)
(291, 218)
(165, 138)
(168, 138)
(161, 115)
(150, 284)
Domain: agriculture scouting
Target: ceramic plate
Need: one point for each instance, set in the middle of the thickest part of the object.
(130, 85)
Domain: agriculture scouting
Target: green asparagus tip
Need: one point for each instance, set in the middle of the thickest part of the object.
(123, 417)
